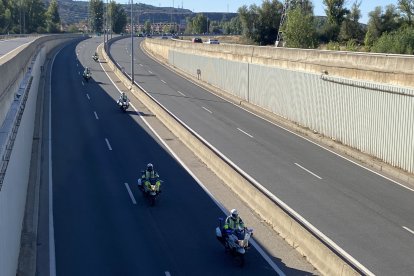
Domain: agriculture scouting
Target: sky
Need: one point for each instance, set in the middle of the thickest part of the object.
(233, 5)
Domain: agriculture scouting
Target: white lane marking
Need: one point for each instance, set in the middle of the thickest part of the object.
(150, 72)
(163, 81)
(223, 209)
(96, 115)
(107, 143)
(87, 96)
(78, 73)
(130, 194)
(77, 65)
(408, 229)
(315, 175)
(206, 109)
(241, 130)
(141, 65)
(52, 256)
(167, 273)
(290, 131)
(181, 93)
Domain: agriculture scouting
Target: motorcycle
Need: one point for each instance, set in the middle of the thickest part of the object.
(123, 105)
(87, 76)
(236, 242)
(95, 58)
(151, 188)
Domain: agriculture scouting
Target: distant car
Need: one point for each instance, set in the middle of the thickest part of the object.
(197, 40)
(213, 41)
(149, 35)
(140, 35)
(174, 36)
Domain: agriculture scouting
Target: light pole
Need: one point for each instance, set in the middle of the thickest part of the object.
(132, 43)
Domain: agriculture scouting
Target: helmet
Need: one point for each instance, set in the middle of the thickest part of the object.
(150, 167)
(234, 214)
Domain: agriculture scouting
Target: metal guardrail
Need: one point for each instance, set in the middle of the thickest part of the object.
(10, 126)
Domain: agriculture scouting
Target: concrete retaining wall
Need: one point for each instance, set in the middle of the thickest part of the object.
(14, 187)
(375, 118)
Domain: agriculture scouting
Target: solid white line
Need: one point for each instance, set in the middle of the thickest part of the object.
(315, 175)
(245, 132)
(96, 115)
(87, 96)
(223, 209)
(408, 229)
(206, 109)
(52, 256)
(150, 72)
(163, 81)
(107, 143)
(181, 93)
(130, 194)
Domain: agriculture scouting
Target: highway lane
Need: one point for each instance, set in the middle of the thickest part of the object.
(364, 213)
(9, 45)
(96, 149)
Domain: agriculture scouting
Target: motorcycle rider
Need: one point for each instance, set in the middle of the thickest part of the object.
(86, 72)
(123, 99)
(233, 221)
(95, 56)
(147, 175)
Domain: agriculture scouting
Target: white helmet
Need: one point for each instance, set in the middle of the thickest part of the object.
(150, 167)
(234, 214)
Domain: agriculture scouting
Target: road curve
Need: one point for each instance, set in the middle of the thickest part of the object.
(367, 215)
(97, 153)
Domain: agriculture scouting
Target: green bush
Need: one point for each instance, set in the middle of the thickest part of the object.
(352, 45)
(397, 42)
(334, 46)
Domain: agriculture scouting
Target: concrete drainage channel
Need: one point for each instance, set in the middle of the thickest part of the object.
(321, 252)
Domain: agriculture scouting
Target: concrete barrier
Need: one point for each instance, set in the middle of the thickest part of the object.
(381, 68)
(318, 250)
(16, 163)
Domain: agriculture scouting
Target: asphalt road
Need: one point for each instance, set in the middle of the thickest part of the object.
(96, 149)
(367, 215)
(6, 46)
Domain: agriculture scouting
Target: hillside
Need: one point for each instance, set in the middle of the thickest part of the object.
(72, 12)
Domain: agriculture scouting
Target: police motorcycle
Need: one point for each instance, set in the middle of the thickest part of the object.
(123, 104)
(87, 75)
(235, 242)
(95, 57)
(151, 188)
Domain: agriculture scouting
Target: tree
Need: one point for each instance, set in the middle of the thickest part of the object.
(299, 31)
(407, 9)
(335, 12)
(351, 29)
(96, 15)
(305, 5)
(52, 17)
(261, 24)
(147, 26)
(396, 42)
(118, 17)
(36, 16)
(199, 24)
(248, 19)
(380, 22)
(268, 22)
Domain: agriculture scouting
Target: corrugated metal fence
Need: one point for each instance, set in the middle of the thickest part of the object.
(374, 118)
